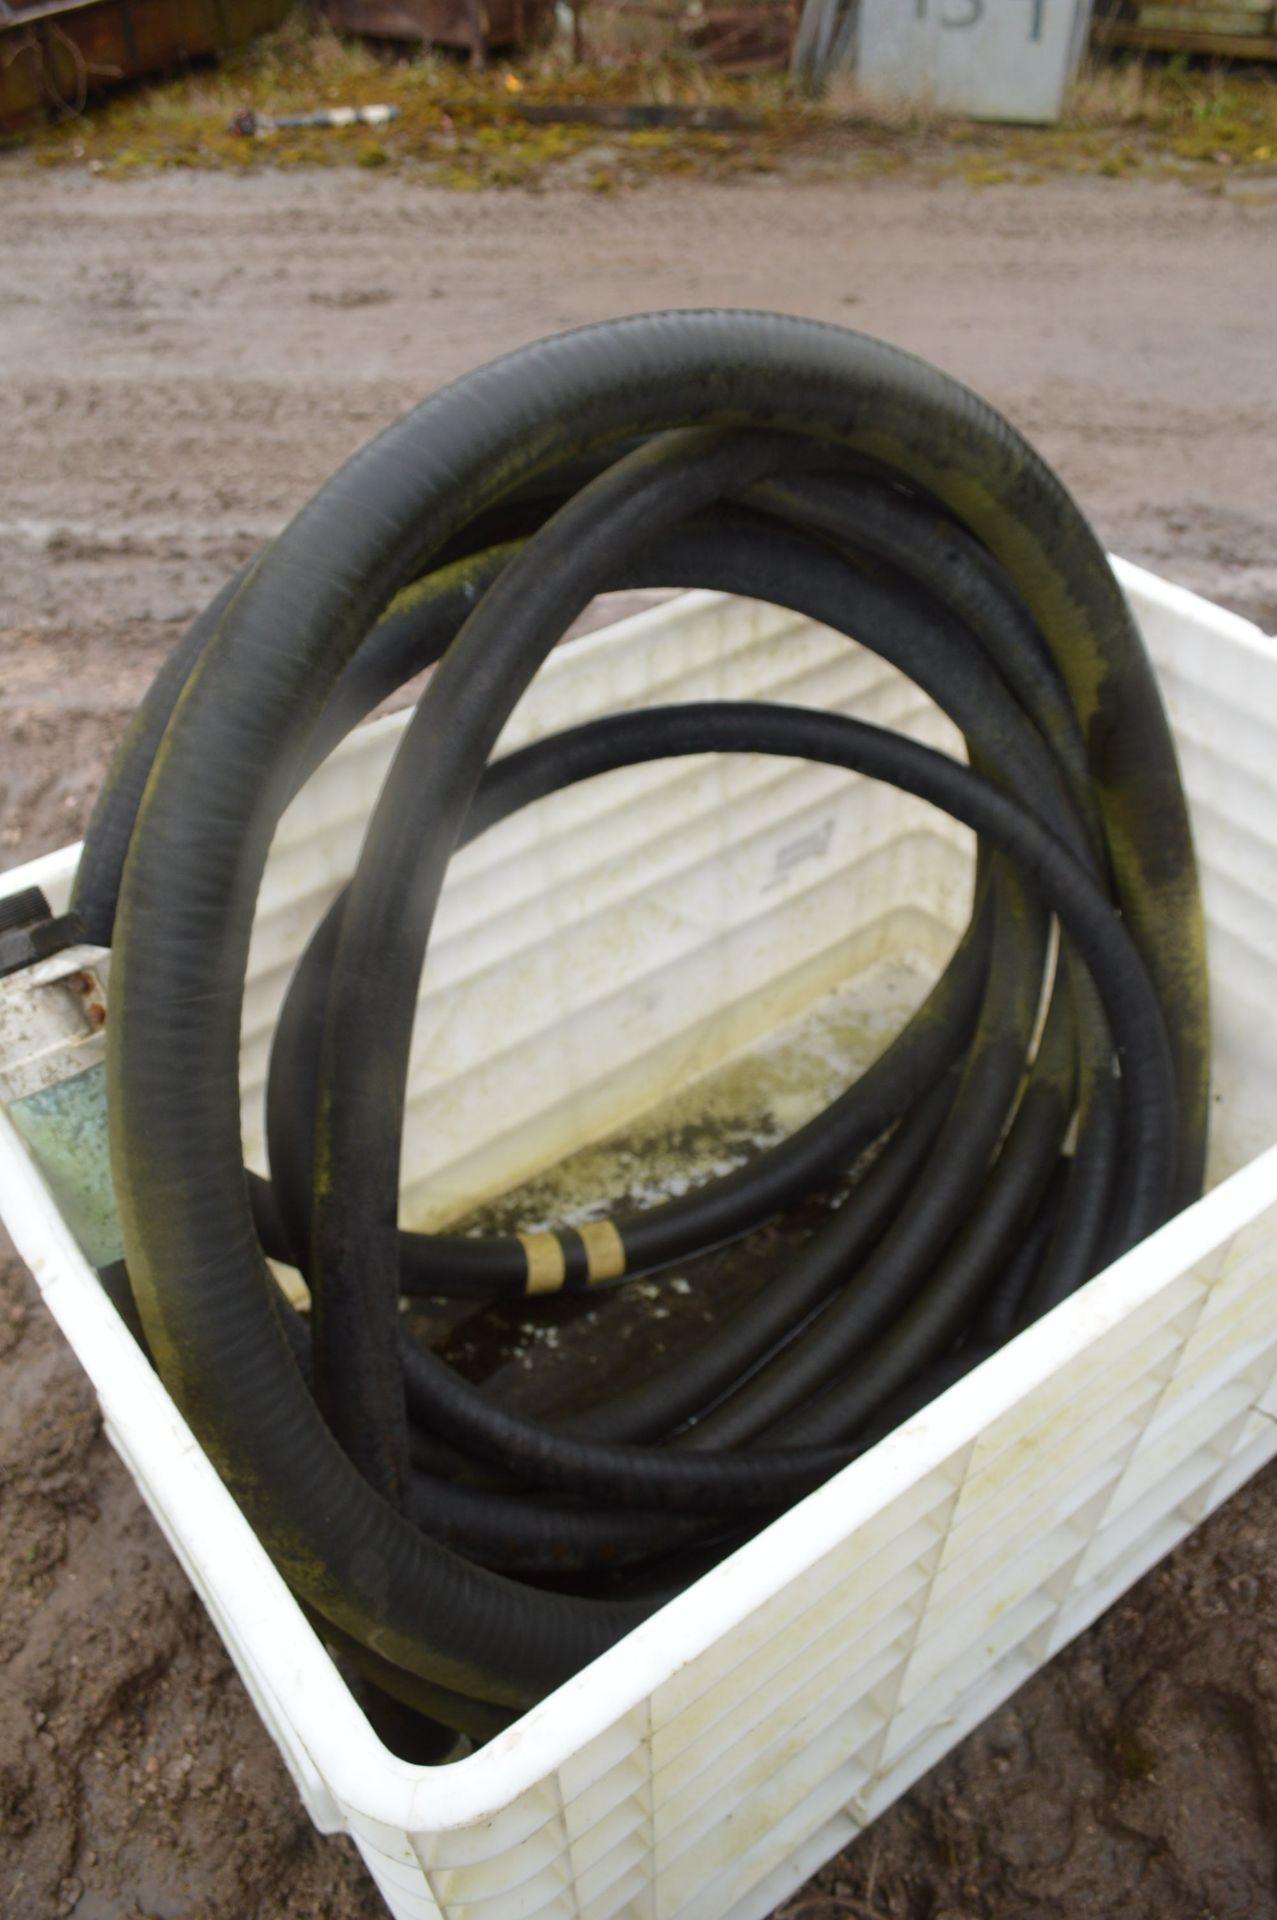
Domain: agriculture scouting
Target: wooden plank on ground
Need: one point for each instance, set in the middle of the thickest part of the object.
(1206, 20)
(1223, 46)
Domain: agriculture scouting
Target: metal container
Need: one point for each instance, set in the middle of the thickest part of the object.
(988, 59)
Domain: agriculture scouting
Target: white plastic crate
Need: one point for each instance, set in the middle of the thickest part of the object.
(710, 1762)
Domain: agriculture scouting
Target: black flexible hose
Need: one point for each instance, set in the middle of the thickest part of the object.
(1042, 1110)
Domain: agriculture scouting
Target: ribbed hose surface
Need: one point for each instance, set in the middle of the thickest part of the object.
(472, 1558)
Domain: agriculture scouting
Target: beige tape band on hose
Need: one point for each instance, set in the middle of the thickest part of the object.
(604, 1250)
(547, 1267)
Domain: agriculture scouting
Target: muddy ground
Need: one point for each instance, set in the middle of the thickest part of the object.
(182, 360)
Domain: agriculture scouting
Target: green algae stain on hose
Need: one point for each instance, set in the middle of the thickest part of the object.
(1078, 604)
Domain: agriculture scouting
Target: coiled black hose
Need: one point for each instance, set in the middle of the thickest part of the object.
(469, 1557)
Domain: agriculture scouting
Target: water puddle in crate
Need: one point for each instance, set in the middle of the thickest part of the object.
(572, 1350)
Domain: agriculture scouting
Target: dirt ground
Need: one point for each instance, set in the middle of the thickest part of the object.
(182, 361)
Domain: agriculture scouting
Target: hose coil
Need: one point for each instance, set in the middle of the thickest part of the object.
(1043, 1110)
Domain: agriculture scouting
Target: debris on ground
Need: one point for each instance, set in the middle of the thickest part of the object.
(248, 121)
(608, 128)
